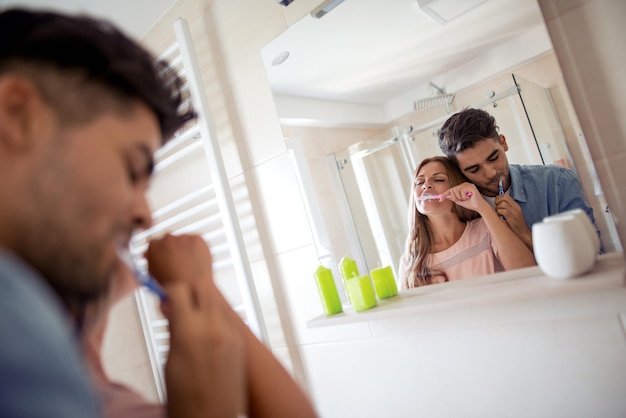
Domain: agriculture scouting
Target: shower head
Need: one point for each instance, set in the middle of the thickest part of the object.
(438, 97)
(435, 101)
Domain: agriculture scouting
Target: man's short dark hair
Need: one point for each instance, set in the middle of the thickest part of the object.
(88, 55)
(463, 129)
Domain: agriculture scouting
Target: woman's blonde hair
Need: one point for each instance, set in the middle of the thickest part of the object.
(419, 243)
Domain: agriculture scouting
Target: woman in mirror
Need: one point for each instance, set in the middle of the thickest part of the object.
(453, 232)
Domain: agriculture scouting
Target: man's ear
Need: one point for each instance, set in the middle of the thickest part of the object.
(21, 111)
(503, 142)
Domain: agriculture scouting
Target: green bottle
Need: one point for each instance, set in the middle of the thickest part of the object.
(327, 290)
(384, 282)
(347, 270)
(361, 293)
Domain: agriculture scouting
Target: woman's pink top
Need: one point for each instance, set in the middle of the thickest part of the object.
(120, 401)
(474, 254)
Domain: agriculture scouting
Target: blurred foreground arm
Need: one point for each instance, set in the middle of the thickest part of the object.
(216, 366)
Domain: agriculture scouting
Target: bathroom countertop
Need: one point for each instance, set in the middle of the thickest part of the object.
(498, 289)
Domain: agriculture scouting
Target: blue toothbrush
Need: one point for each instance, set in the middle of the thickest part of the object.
(145, 279)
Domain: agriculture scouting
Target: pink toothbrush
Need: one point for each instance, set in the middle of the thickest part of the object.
(436, 197)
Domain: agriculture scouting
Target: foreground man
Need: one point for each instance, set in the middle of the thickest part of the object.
(82, 111)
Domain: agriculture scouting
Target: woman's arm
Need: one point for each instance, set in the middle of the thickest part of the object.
(216, 364)
(512, 251)
(205, 370)
(271, 390)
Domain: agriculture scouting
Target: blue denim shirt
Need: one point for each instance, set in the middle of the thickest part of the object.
(545, 190)
(41, 372)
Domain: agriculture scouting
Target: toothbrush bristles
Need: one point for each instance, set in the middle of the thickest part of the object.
(143, 278)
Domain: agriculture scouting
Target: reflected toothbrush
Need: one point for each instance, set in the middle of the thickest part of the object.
(145, 279)
(436, 197)
(501, 192)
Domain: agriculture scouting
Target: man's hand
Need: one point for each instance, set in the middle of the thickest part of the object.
(508, 209)
(205, 370)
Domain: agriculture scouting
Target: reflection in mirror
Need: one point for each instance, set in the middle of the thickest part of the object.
(365, 89)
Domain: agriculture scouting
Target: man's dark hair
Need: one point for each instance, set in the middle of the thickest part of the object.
(463, 129)
(82, 65)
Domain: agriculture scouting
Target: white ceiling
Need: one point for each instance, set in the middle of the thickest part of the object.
(363, 51)
(135, 17)
(371, 51)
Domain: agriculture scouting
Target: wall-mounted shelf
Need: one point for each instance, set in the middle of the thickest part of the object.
(491, 291)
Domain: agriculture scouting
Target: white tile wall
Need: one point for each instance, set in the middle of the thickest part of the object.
(124, 350)
(543, 369)
(243, 27)
(261, 136)
(282, 204)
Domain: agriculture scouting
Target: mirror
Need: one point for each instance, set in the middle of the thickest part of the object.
(361, 92)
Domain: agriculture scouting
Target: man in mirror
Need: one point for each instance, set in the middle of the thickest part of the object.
(521, 194)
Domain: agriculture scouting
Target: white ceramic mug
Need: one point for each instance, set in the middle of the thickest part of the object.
(583, 219)
(565, 245)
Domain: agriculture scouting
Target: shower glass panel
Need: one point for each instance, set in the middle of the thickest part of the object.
(547, 131)
(377, 175)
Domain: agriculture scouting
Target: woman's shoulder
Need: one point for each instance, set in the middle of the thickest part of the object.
(476, 229)
(476, 224)
(475, 232)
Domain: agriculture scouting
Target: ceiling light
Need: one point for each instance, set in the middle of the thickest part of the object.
(443, 11)
(325, 7)
(280, 58)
